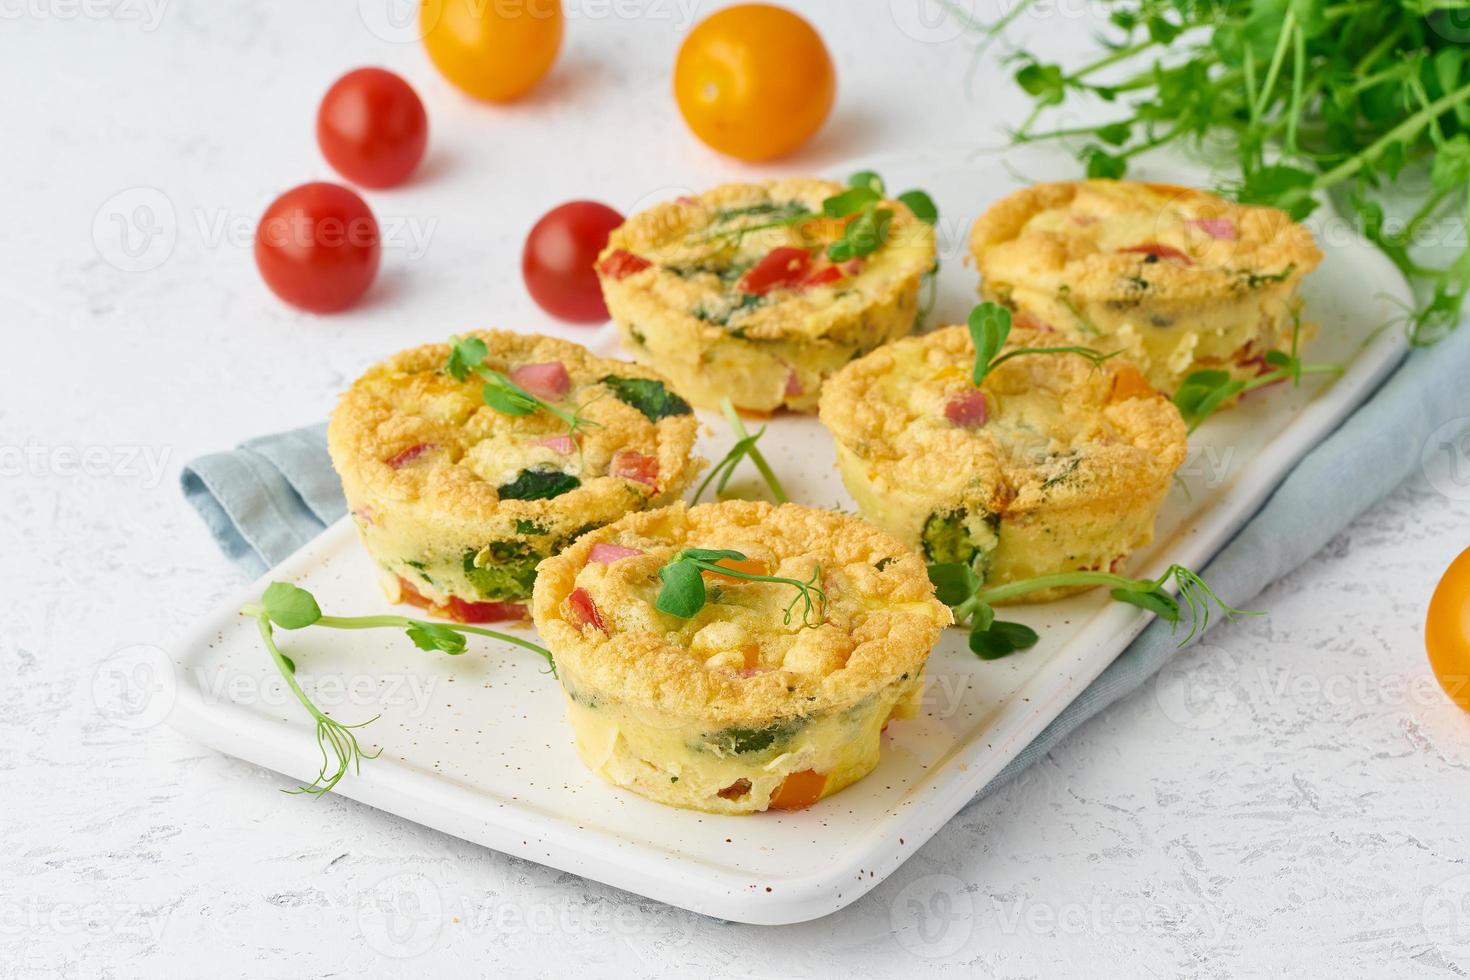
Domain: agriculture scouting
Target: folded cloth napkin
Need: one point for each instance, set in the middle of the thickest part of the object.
(269, 497)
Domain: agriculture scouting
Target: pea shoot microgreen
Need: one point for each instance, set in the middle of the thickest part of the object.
(1202, 392)
(290, 607)
(959, 587)
(467, 356)
(744, 447)
(1312, 98)
(861, 202)
(683, 593)
(990, 327)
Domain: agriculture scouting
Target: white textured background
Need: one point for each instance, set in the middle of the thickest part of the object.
(1289, 798)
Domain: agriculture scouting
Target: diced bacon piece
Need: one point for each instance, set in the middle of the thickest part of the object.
(1222, 228)
(406, 456)
(581, 611)
(735, 790)
(853, 265)
(549, 381)
(565, 444)
(782, 268)
(967, 409)
(634, 466)
(621, 264)
(1158, 250)
(605, 554)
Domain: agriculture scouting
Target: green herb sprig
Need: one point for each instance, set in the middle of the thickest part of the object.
(990, 327)
(467, 356)
(1312, 98)
(683, 593)
(745, 446)
(958, 587)
(863, 234)
(290, 607)
(1202, 392)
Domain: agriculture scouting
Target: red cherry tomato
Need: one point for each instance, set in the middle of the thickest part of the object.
(620, 264)
(317, 247)
(559, 261)
(372, 128)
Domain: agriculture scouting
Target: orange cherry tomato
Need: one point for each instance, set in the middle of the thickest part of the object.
(798, 790)
(1447, 631)
(754, 81)
(492, 49)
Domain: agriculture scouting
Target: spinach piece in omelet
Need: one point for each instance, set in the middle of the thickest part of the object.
(650, 397)
(538, 484)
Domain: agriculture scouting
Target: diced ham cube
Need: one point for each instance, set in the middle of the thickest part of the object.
(635, 466)
(967, 409)
(549, 381)
(605, 554)
(564, 444)
(403, 458)
(1158, 250)
(1216, 227)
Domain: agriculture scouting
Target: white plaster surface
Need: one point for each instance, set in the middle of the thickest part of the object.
(1290, 798)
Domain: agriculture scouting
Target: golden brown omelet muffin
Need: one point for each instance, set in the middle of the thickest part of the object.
(458, 502)
(1179, 279)
(727, 297)
(1052, 465)
(738, 708)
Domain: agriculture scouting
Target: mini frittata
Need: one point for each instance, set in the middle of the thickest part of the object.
(1053, 464)
(740, 708)
(727, 295)
(458, 502)
(1178, 279)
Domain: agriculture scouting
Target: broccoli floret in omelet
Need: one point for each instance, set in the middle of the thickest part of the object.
(955, 537)
(510, 574)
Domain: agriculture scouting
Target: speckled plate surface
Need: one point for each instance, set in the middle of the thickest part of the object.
(476, 745)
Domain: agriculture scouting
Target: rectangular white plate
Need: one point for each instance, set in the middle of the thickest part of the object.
(476, 745)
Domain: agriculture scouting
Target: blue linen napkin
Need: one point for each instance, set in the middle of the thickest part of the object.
(270, 496)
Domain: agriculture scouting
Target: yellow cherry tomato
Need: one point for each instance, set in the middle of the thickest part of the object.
(492, 49)
(754, 81)
(1447, 631)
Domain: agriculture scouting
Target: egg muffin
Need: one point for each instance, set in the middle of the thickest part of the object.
(732, 293)
(1053, 464)
(458, 502)
(1180, 280)
(743, 706)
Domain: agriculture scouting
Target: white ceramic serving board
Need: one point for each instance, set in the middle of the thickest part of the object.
(476, 745)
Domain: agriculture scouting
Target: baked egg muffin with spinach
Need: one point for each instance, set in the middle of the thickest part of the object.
(465, 464)
(1053, 462)
(736, 657)
(1180, 280)
(759, 292)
